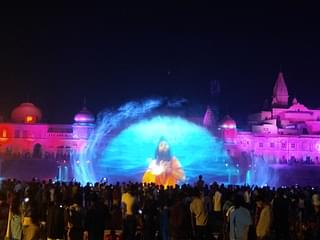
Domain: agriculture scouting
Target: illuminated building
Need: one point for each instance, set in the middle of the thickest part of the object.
(284, 133)
(25, 137)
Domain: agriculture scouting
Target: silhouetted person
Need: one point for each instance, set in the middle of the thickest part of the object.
(179, 220)
(96, 219)
(75, 222)
(281, 215)
(55, 220)
(4, 211)
(200, 183)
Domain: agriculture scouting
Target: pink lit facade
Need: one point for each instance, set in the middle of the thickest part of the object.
(25, 138)
(286, 133)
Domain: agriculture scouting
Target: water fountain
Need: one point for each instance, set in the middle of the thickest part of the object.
(125, 140)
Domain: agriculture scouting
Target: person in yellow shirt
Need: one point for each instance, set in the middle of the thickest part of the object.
(165, 169)
(263, 227)
(128, 201)
(199, 216)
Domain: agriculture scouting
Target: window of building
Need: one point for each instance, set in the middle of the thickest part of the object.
(17, 133)
(272, 145)
(305, 146)
(60, 130)
(4, 133)
(283, 145)
(293, 145)
(29, 119)
(25, 134)
(261, 144)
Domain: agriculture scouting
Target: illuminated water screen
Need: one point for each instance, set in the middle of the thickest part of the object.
(125, 141)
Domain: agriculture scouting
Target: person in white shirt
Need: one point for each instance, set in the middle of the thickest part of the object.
(240, 220)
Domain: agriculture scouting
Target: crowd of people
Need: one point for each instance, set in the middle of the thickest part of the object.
(59, 210)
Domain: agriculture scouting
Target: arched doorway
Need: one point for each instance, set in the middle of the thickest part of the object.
(37, 151)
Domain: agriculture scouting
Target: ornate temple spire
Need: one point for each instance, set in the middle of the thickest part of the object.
(280, 92)
(295, 101)
(208, 119)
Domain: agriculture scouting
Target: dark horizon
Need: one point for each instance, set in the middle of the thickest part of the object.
(56, 56)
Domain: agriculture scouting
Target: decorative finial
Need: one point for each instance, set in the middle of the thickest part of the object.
(214, 88)
(84, 102)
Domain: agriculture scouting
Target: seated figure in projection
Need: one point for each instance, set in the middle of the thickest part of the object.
(165, 169)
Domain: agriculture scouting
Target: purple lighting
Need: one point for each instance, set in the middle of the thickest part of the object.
(84, 116)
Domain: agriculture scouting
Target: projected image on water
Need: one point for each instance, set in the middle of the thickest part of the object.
(137, 143)
(165, 169)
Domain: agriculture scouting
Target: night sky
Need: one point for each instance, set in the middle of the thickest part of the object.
(54, 56)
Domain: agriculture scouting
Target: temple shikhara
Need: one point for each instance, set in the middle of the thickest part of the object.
(284, 133)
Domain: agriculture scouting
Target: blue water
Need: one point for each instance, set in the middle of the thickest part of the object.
(261, 174)
(125, 141)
